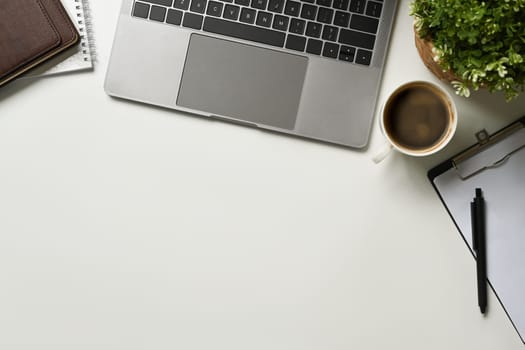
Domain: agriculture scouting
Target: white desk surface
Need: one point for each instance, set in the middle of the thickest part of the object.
(129, 227)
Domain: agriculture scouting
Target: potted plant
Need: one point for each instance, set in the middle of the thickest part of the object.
(473, 43)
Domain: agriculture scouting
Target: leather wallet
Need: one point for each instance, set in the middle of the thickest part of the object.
(31, 32)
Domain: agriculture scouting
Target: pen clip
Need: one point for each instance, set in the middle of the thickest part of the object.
(473, 223)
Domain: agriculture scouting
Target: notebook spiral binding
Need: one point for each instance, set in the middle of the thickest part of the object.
(85, 28)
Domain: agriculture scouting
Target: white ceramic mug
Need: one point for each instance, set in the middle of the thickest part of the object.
(416, 108)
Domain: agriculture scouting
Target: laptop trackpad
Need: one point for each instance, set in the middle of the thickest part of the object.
(244, 82)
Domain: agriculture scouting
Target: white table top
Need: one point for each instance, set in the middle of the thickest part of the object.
(129, 227)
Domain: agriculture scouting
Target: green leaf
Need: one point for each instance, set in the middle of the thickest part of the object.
(483, 42)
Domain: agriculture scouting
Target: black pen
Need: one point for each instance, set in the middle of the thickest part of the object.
(473, 223)
(478, 226)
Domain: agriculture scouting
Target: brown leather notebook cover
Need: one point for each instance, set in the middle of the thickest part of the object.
(32, 31)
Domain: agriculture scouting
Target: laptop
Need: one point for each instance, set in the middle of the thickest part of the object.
(309, 68)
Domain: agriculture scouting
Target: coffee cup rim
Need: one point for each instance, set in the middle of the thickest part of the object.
(445, 140)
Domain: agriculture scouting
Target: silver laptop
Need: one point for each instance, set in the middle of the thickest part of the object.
(309, 68)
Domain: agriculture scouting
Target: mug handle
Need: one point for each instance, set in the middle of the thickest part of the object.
(383, 153)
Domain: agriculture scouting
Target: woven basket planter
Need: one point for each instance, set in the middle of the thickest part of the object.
(424, 47)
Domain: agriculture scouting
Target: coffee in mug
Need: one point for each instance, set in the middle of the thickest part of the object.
(418, 119)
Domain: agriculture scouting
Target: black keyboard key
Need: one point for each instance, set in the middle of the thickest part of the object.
(259, 4)
(347, 50)
(347, 53)
(308, 11)
(242, 2)
(231, 12)
(264, 19)
(330, 33)
(198, 6)
(295, 42)
(330, 50)
(341, 18)
(314, 46)
(327, 3)
(243, 31)
(192, 20)
(364, 24)
(357, 6)
(292, 8)
(276, 6)
(141, 10)
(341, 4)
(160, 2)
(297, 26)
(353, 38)
(310, 1)
(325, 15)
(214, 9)
(280, 22)
(313, 29)
(363, 57)
(174, 17)
(374, 9)
(247, 16)
(157, 13)
(182, 4)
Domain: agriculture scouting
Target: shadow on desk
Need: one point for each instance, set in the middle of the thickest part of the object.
(483, 110)
(495, 103)
(20, 84)
(13, 87)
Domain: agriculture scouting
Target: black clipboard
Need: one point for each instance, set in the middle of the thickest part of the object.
(487, 162)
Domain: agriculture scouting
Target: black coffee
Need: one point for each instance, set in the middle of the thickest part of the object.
(418, 117)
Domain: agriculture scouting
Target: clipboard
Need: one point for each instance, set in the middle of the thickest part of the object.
(496, 163)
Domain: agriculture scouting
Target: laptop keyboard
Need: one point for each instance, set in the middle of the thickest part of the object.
(344, 30)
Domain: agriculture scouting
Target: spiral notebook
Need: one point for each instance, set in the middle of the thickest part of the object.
(79, 57)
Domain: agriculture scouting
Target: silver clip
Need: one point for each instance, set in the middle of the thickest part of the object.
(483, 137)
(490, 151)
